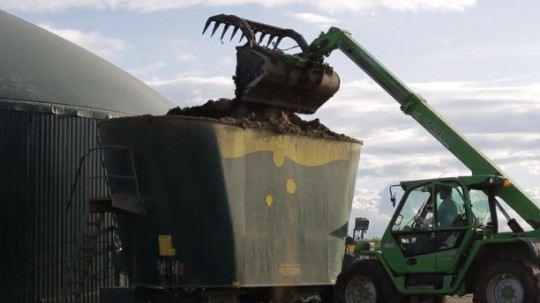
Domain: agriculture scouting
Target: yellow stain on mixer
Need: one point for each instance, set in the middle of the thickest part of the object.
(236, 142)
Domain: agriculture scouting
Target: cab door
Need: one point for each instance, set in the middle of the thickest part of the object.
(411, 237)
(418, 234)
(452, 223)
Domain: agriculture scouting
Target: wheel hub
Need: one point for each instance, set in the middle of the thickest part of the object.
(360, 290)
(505, 288)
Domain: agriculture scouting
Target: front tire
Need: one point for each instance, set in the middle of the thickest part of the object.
(508, 280)
(365, 282)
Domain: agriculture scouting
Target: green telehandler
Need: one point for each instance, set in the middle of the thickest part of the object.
(430, 249)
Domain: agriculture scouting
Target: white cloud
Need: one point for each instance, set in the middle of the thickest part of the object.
(185, 57)
(351, 91)
(182, 50)
(189, 91)
(369, 204)
(471, 106)
(54, 6)
(145, 71)
(313, 18)
(535, 192)
(366, 200)
(195, 81)
(92, 41)
(331, 6)
(428, 5)
(493, 90)
(228, 61)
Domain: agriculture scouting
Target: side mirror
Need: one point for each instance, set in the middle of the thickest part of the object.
(392, 195)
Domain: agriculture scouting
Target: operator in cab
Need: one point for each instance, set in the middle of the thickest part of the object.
(448, 208)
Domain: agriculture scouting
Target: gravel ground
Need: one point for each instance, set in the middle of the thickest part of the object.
(465, 299)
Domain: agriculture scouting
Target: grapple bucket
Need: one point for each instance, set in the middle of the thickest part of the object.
(268, 76)
(264, 77)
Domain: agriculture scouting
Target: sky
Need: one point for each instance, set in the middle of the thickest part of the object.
(477, 62)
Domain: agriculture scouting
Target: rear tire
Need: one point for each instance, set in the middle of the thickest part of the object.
(508, 280)
(365, 282)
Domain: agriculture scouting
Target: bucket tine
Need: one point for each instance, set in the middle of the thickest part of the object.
(235, 30)
(278, 41)
(216, 26)
(224, 31)
(261, 37)
(270, 40)
(250, 28)
(206, 25)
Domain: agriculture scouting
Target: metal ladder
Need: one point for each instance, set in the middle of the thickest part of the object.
(86, 249)
(78, 271)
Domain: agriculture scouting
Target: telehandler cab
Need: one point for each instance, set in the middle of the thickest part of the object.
(424, 255)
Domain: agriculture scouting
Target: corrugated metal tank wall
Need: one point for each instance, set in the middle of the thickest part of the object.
(40, 155)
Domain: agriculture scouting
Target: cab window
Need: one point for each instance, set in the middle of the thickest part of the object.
(480, 207)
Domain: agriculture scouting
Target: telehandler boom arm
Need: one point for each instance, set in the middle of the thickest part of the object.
(415, 106)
